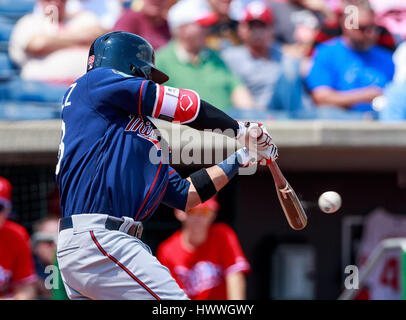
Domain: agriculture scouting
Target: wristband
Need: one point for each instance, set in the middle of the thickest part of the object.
(239, 159)
(203, 184)
(230, 166)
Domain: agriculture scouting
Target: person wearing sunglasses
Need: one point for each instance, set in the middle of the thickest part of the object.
(350, 71)
(17, 275)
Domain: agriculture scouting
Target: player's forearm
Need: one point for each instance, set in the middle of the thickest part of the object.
(219, 180)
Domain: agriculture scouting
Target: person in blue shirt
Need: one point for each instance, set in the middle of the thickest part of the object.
(113, 169)
(349, 72)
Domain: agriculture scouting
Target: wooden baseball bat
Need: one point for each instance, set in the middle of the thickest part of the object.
(288, 199)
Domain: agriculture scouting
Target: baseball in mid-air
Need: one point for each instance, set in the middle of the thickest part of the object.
(330, 202)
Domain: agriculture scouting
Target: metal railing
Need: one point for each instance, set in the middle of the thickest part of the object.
(372, 261)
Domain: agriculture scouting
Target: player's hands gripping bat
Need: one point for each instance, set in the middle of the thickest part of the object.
(267, 153)
(258, 141)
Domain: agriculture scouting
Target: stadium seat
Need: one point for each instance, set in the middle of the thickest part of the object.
(15, 9)
(6, 27)
(33, 91)
(28, 111)
(7, 68)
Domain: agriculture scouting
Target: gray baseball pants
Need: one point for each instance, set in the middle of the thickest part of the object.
(100, 264)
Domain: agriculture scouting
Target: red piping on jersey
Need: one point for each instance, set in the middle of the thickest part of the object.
(172, 172)
(159, 103)
(140, 98)
(149, 192)
(122, 267)
(159, 198)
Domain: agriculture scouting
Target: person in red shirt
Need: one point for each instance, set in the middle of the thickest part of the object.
(17, 275)
(205, 258)
(149, 22)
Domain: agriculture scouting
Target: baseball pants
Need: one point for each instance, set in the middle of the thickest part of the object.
(101, 264)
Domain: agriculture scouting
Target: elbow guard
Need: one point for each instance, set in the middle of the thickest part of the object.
(180, 105)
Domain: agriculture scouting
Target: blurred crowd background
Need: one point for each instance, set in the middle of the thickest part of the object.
(264, 59)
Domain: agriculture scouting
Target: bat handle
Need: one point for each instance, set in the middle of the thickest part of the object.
(295, 215)
(277, 174)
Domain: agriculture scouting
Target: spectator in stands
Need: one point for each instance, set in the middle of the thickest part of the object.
(331, 28)
(295, 19)
(273, 79)
(52, 46)
(222, 29)
(17, 275)
(349, 72)
(205, 259)
(391, 14)
(192, 65)
(44, 241)
(107, 11)
(149, 22)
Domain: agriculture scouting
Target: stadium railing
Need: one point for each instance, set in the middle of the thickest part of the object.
(373, 260)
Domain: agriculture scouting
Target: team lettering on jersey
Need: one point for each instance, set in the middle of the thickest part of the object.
(143, 129)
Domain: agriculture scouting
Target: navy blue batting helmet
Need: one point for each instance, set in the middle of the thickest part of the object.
(125, 52)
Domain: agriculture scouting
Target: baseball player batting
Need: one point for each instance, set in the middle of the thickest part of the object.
(108, 184)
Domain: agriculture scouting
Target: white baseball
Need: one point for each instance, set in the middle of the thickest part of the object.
(330, 202)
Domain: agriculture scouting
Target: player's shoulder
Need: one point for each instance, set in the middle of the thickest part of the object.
(15, 231)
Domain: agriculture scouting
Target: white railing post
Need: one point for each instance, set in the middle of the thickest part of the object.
(373, 259)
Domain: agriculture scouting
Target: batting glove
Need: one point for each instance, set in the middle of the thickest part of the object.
(257, 139)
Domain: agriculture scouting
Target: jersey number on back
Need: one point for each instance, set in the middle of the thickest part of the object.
(65, 103)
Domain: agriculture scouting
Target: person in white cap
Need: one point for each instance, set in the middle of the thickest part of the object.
(195, 66)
